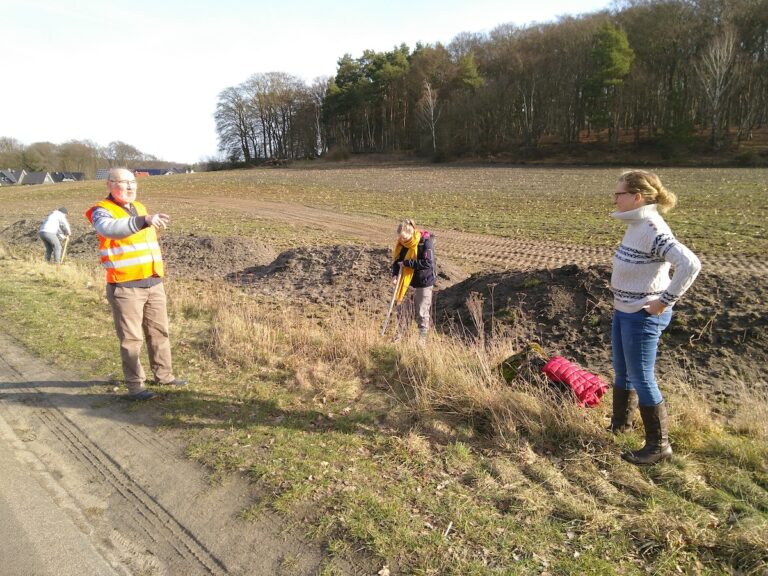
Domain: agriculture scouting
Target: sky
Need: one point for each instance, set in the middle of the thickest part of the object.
(148, 72)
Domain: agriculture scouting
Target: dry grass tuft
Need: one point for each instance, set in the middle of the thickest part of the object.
(750, 417)
(73, 273)
(688, 413)
(5, 251)
(245, 335)
(746, 545)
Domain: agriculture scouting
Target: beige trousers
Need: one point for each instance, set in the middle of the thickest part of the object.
(417, 302)
(138, 313)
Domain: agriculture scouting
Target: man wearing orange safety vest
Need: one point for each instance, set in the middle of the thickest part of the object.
(131, 256)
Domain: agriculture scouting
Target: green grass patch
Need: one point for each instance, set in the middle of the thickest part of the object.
(61, 320)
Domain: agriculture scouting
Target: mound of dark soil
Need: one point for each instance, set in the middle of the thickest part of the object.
(718, 329)
(211, 257)
(85, 246)
(340, 274)
(188, 256)
(21, 232)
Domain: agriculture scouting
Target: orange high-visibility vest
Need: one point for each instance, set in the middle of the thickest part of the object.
(135, 257)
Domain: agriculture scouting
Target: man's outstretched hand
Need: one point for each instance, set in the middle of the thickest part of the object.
(158, 220)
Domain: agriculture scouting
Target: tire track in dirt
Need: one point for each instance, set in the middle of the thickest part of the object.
(148, 440)
(138, 500)
(473, 251)
(147, 516)
(146, 513)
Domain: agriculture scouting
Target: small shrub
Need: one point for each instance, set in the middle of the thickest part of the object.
(746, 159)
(338, 154)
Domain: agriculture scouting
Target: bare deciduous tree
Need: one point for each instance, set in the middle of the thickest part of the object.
(716, 73)
(11, 153)
(79, 156)
(233, 124)
(317, 92)
(123, 154)
(429, 112)
(41, 156)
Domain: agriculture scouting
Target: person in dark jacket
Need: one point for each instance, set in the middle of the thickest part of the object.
(413, 272)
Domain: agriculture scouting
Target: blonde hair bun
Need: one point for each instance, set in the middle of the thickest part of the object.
(649, 186)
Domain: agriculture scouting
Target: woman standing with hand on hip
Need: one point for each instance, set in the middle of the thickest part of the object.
(643, 296)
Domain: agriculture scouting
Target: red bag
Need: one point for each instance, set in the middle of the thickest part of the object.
(587, 387)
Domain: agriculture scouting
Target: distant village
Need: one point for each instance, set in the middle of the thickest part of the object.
(11, 177)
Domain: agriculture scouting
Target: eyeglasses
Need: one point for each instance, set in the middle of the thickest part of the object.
(620, 193)
(124, 182)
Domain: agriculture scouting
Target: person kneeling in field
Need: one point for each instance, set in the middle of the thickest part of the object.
(131, 256)
(643, 296)
(413, 272)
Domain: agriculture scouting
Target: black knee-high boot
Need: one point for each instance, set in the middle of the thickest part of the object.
(657, 446)
(624, 406)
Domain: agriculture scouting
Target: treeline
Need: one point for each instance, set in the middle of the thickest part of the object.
(73, 156)
(273, 115)
(659, 71)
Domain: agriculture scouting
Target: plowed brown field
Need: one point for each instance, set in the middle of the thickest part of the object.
(473, 252)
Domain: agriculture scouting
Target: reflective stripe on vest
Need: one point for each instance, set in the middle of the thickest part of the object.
(116, 251)
(135, 257)
(127, 263)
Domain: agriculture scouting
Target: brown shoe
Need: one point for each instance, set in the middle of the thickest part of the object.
(657, 446)
(624, 406)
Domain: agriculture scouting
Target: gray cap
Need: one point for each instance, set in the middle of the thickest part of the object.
(63, 210)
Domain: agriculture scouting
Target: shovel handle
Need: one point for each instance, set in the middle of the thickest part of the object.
(392, 302)
(64, 250)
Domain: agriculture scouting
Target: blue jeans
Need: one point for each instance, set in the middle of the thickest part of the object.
(635, 340)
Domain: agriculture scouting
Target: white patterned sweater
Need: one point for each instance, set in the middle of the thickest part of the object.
(643, 260)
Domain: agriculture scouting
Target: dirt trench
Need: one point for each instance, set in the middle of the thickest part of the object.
(186, 256)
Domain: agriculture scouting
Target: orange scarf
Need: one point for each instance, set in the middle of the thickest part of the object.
(407, 273)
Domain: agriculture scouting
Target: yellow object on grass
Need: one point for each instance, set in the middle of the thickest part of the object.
(405, 278)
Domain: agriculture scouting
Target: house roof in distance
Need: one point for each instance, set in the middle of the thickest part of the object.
(38, 178)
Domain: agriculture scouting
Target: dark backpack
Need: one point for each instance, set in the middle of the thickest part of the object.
(434, 260)
(434, 255)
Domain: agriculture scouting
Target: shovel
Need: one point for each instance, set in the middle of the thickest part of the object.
(392, 302)
(64, 250)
